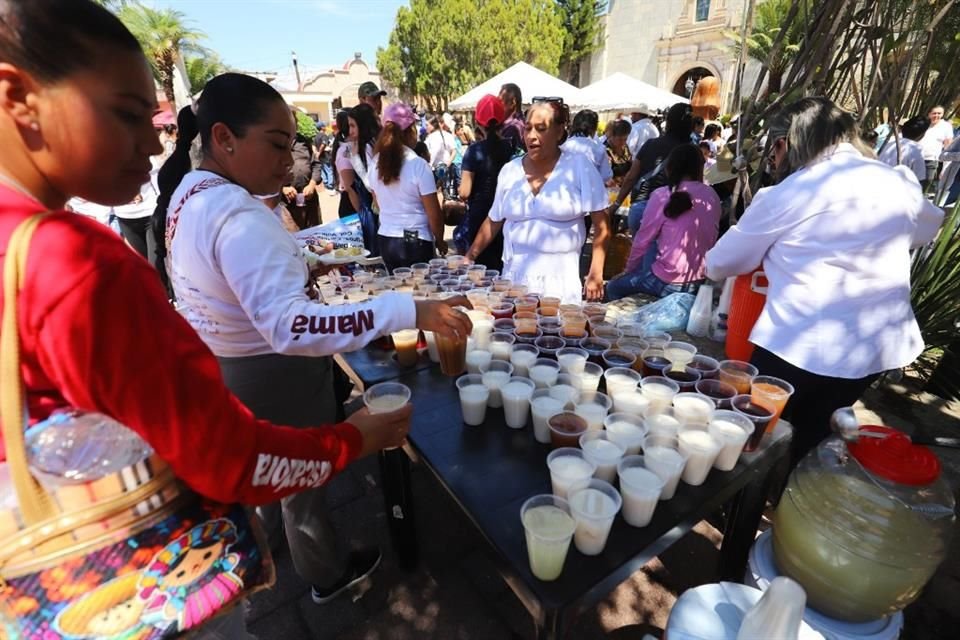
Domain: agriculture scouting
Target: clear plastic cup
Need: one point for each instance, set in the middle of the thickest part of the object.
(590, 378)
(666, 461)
(528, 337)
(495, 375)
(566, 428)
(477, 359)
(475, 272)
(627, 430)
(631, 401)
(549, 345)
(571, 360)
(473, 399)
(771, 391)
(543, 406)
(501, 345)
(720, 392)
(593, 407)
(679, 354)
(731, 429)
(548, 526)
(640, 489)
(544, 372)
(738, 373)
(522, 357)
(573, 324)
(693, 408)
(386, 397)
(569, 468)
(549, 305)
(404, 273)
(708, 367)
(660, 391)
(595, 309)
(595, 348)
(455, 261)
(566, 389)
(632, 330)
(619, 379)
(603, 452)
(550, 325)
(594, 507)
(432, 350)
(504, 325)
(657, 339)
(526, 304)
(501, 285)
(525, 321)
(405, 343)
(574, 340)
(452, 352)
(662, 425)
(759, 413)
(611, 333)
(516, 395)
(701, 450)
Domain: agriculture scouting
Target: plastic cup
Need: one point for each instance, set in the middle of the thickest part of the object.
(438, 263)
(627, 430)
(693, 408)
(589, 378)
(686, 379)
(594, 508)
(477, 359)
(636, 346)
(573, 324)
(568, 308)
(618, 358)
(595, 309)
(603, 452)
(610, 333)
(432, 349)
(421, 269)
(640, 489)
(732, 431)
(657, 339)
(569, 468)
(455, 261)
(526, 304)
(632, 402)
(619, 379)
(404, 273)
(452, 352)
(759, 413)
(595, 348)
(701, 450)
(662, 425)
(504, 325)
(501, 286)
(528, 337)
(738, 373)
(475, 272)
(720, 392)
(548, 526)
(549, 345)
(501, 310)
(593, 407)
(566, 389)
(405, 343)
(482, 327)
(496, 374)
(771, 391)
(501, 345)
(543, 406)
(632, 330)
(668, 462)
(571, 360)
(566, 428)
(654, 362)
(679, 354)
(574, 340)
(659, 391)
(548, 304)
(544, 372)
(525, 321)
(516, 396)
(386, 397)
(550, 325)
(522, 357)
(473, 399)
(707, 366)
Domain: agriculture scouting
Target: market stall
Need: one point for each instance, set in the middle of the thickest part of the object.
(532, 82)
(622, 93)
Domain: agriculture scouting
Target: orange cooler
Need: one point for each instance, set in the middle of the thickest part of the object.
(746, 303)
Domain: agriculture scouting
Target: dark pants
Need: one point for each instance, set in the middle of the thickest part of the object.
(933, 173)
(400, 252)
(138, 232)
(308, 215)
(814, 399)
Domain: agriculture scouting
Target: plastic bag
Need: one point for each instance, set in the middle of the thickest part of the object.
(666, 314)
(343, 234)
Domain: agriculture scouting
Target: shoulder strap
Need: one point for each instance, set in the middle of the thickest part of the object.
(34, 502)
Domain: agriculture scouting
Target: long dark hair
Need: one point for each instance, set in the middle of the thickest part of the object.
(584, 124)
(498, 150)
(236, 100)
(343, 130)
(391, 151)
(685, 163)
(51, 39)
(367, 129)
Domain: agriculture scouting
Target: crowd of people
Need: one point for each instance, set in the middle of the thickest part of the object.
(242, 367)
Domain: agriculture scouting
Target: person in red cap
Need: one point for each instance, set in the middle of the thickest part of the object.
(478, 183)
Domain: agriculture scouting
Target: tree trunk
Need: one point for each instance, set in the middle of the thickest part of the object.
(575, 74)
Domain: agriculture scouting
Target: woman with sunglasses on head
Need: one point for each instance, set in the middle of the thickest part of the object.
(96, 330)
(242, 284)
(833, 237)
(540, 204)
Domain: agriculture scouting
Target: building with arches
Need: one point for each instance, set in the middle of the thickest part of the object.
(671, 44)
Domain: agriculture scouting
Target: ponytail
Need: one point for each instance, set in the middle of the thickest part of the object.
(678, 203)
(498, 154)
(685, 162)
(169, 178)
(390, 149)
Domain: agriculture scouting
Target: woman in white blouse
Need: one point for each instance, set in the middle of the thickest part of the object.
(540, 205)
(583, 140)
(834, 239)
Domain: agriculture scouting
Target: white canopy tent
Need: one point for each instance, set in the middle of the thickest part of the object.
(620, 92)
(532, 82)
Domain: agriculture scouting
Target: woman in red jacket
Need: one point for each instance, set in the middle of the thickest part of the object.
(96, 330)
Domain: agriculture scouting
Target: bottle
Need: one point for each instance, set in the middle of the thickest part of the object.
(699, 322)
(777, 614)
(718, 323)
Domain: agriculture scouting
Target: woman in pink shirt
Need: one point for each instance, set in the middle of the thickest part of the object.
(682, 218)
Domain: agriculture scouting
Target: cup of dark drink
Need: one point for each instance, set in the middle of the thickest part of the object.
(595, 348)
(405, 342)
(453, 354)
(720, 392)
(549, 345)
(575, 340)
(617, 358)
(654, 362)
(759, 414)
(687, 379)
(566, 429)
(708, 367)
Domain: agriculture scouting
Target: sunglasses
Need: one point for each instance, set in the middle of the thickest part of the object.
(555, 100)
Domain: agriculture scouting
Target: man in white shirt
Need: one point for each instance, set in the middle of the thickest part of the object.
(935, 140)
(642, 130)
(440, 143)
(910, 151)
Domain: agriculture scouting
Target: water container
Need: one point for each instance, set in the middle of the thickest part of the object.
(746, 304)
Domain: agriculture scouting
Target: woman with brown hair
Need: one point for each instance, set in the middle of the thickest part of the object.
(411, 223)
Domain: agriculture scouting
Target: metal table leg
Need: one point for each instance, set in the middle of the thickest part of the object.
(398, 504)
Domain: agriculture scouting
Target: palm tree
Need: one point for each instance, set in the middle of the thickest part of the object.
(165, 38)
(202, 68)
(767, 20)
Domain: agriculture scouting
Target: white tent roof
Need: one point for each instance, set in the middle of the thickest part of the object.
(620, 92)
(532, 82)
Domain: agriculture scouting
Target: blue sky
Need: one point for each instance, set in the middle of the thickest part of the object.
(258, 35)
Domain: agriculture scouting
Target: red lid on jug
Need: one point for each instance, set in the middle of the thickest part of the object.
(895, 457)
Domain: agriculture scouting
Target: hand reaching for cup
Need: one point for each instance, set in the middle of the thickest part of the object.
(382, 430)
(441, 317)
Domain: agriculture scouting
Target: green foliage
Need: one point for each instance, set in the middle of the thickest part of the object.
(583, 31)
(202, 68)
(768, 17)
(439, 49)
(305, 125)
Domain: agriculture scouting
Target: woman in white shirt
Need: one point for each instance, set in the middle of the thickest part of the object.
(242, 285)
(540, 205)
(583, 140)
(834, 239)
(411, 223)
